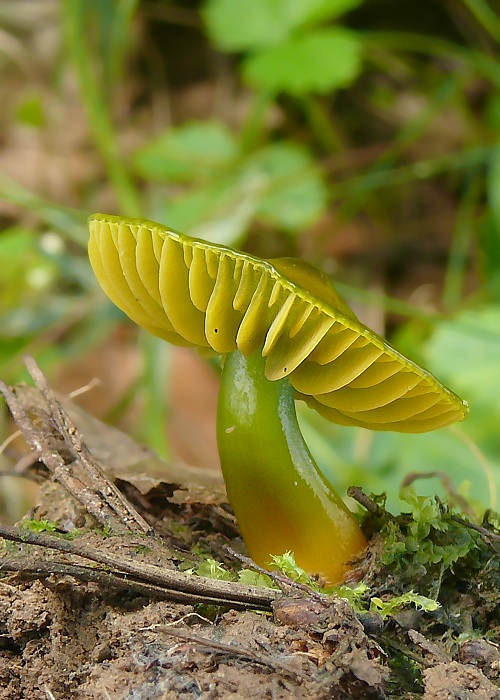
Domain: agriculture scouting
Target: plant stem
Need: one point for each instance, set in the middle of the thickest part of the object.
(156, 374)
(486, 16)
(485, 65)
(80, 52)
(456, 268)
(322, 124)
(254, 125)
(280, 498)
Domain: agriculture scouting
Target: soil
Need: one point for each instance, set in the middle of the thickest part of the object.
(62, 637)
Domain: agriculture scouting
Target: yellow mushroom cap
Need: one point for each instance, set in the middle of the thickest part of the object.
(199, 294)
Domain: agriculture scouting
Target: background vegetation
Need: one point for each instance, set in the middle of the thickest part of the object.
(361, 135)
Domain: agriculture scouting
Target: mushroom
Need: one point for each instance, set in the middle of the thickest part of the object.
(286, 334)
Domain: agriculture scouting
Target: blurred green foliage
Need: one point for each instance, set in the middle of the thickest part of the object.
(322, 117)
(285, 50)
(228, 189)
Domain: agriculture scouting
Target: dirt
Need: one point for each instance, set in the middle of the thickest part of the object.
(61, 637)
(454, 680)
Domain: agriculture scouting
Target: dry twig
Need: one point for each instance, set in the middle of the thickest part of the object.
(231, 650)
(282, 581)
(371, 506)
(195, 589)
(114, 581)
(487, 535)
(71, 464)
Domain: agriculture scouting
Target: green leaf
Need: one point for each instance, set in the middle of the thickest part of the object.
(386, 608)
(189, 152)
(214, 569)
(319, 62)
(294, 193)
(31, 111)
(238, 25)
(312, 11)
(219, 212)
(26, 271)
(286, 564)
(70, 223)
(466, 351)
(354, 596)
(279, 185)
(430, 538)
(255, 578)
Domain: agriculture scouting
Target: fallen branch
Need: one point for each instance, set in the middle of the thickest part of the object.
(71, 463)
(195, 589)
(117, 581)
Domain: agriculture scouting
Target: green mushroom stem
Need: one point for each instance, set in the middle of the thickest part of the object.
(280, 498)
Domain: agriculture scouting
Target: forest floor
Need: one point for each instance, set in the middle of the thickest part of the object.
(133, 589)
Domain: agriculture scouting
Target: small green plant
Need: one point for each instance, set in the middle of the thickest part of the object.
(430, 538)
(210, 568)
(390, 607)
(358, 596)
(214, 569)
(255, 578)
(285, 563)
(289, 46)
(40, 525)
(44, 525)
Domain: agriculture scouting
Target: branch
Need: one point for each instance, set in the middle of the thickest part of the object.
(195, 589)
(71, 464)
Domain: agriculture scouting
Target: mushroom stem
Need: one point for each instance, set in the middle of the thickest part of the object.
(280, 498)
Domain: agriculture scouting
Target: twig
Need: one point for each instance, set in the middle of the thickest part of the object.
(448, 486)
(435, 652)
(232, 650)
(368, 503)
(281, 580)
(114, 581)
(487, 534)
(197, 588)
(112, 496)
(100, 497)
